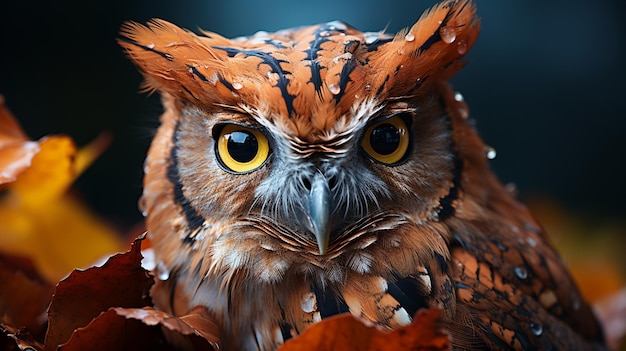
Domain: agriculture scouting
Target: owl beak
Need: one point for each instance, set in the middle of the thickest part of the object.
(318, 211)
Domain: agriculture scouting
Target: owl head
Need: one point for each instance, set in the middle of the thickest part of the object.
(318, 144)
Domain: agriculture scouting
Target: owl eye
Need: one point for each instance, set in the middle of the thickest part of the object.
(387, 141)
(241, 149)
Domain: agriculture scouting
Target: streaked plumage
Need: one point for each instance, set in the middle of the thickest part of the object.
(367, 190)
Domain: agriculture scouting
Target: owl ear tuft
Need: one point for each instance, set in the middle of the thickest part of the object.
(177, 61)
(431, 50)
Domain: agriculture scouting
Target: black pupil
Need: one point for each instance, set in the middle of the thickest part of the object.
(242, 146)
(385, 139)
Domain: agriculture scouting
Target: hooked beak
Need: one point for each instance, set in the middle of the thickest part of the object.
(318, 210)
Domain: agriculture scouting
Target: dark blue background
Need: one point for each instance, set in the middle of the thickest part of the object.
(544, 83)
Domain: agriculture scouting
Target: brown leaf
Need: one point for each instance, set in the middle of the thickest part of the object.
(24, 295)
(194, 331)
(203, 325)
(345, 332)
(12, 339)
(145, 329)
(83, 295)
(110, 331)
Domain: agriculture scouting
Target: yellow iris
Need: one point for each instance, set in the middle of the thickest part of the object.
(241, 149)
(387, 141)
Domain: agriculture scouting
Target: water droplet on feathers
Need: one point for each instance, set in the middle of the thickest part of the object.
(536, 328)
(521, 272)
(334, 89)
(448, 35)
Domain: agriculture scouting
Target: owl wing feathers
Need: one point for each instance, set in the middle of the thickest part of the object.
(510, 281)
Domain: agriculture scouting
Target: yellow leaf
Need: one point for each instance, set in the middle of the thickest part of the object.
(40, 220)
(51, 173)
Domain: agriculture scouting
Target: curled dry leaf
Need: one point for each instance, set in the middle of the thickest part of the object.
(83, 295)
(111, 331)
(12, 339)
(24, 295)
(345, 332)
(194, 331)
(141, 329)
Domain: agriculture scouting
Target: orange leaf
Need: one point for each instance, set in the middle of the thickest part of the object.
(50, 174)
(120, 282)
(345, 332)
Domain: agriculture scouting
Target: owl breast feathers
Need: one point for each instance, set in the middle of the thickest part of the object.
(320, 170)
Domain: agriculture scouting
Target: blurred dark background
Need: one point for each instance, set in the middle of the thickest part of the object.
(545, 83)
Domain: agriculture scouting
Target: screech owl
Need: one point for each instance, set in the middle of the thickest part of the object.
(320, 170)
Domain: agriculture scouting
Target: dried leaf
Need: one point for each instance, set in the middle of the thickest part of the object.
(345, 332)
(194, 331)
(120, 282)
(110, 331)
(144, 329)
(24, 295)
(12, 339)
(203, 325)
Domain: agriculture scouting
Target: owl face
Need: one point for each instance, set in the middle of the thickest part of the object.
(317, 187)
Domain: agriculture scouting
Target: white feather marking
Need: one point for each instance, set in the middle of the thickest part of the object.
(278, 336)
(401, 317)
(360, 262)
(309, 303)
